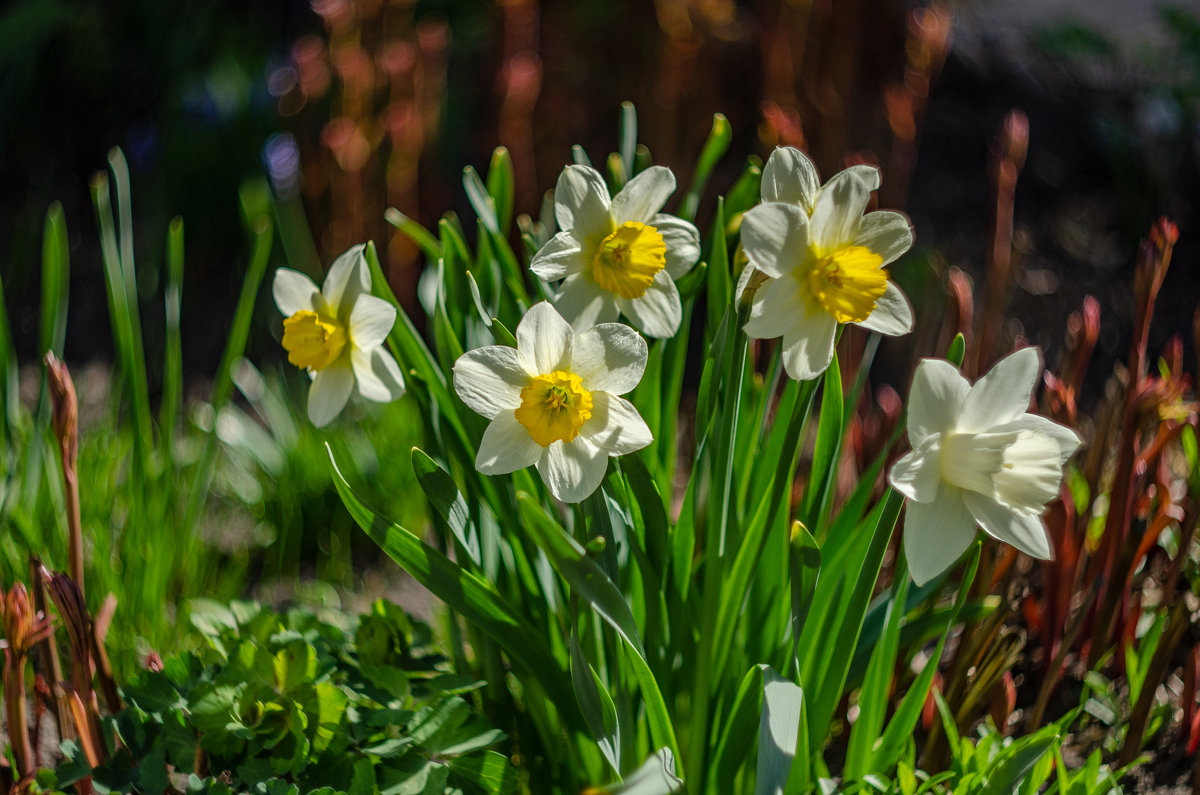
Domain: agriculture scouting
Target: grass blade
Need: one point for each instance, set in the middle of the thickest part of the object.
(172, 391)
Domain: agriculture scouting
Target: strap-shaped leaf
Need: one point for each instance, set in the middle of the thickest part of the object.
(591, 584)
(778, 732)
(472, 597)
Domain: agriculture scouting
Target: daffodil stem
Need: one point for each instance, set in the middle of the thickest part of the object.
(715, 553)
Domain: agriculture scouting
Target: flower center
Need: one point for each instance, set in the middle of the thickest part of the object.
(1019, 468)
(628, 259)
(554, 407)
(848, 282)
(313, 340)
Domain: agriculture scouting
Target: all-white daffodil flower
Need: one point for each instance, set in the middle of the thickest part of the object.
(336, 332)
(791, 178)
(977, 457)
(553, 400)
(618, 256)
(824, 270)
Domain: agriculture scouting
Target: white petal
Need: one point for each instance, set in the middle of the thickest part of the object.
(868, 174)
(371, 321)
(743, 282)
(572, 470)
(838, 212)
(559, 258)
(1024, 530)
(582, 303)
(790, 177)
(581, 204)
(544, 340)
(775, 237)
(1003, 394)
(377, 374)
(892, 314)
(293, 292)
(775, 306)
(329, 391)
(935, 400)
(886, 233)
(1068, 441)
(615, 425)
(610, 357)
(643, 196)
(506, 446)
(918, 474)
(682, 240)
(936, 533)
(348, 278)
(489, 380)
(808, 349)
(658, 312)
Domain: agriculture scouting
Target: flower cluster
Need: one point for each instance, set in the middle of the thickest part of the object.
(816, 259)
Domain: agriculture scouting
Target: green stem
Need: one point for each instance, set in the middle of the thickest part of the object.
(715, 553)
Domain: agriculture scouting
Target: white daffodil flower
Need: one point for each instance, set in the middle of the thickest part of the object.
(336, 332)
(824, 270)
(977, 457)
(791, 178)
(553, 400)
(618, 256)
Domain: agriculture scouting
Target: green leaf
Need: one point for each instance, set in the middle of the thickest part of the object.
(720, 280)
(714, 149)
(571, 561)
(56, 276)
(425, 240)
(1017, 761)
(841, 598)
(447, 501)
(655, 776)
(596, 705)
(778, 732)
(958, 347)
(904, 720)
(804, 569)
(628, 136)
(472, 597)
(501, 186)
(823, 473)
(481, 200)
(877, 686)
(489, 770)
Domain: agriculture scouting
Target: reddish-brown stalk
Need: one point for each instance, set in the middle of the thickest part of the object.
(66, 430)
(1154, 257)
(24, 628)
(1008, 157)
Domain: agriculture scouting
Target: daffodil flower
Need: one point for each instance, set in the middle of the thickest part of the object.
(791, 178)
(977, 457)
(336, 333)
(553, 400)
(618, 256)
(824, 270)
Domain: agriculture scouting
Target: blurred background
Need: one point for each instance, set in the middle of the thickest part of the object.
(353, 106)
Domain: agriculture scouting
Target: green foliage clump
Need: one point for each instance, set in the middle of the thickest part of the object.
(289, 703)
